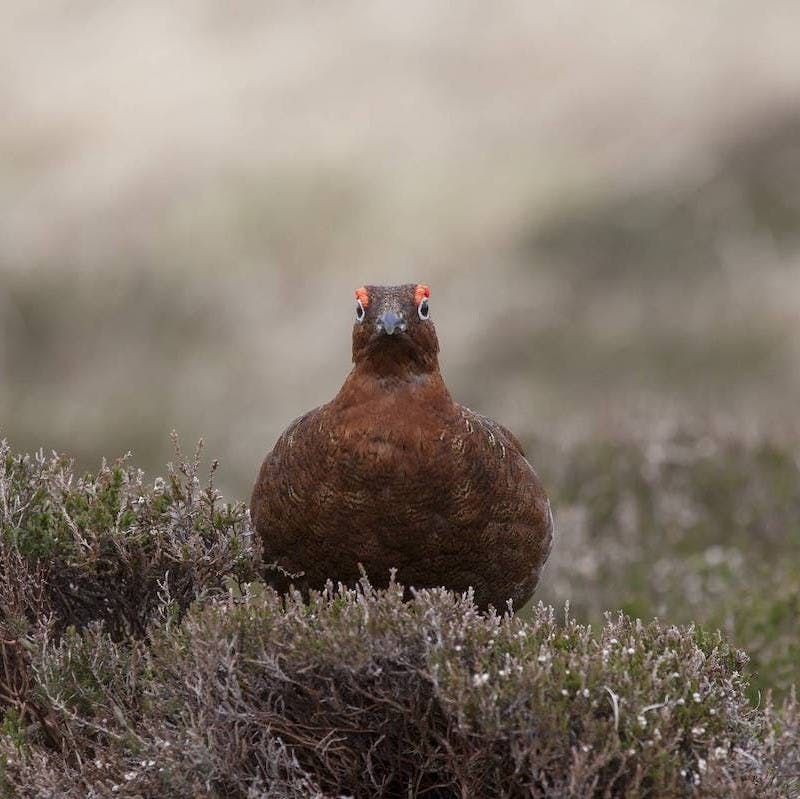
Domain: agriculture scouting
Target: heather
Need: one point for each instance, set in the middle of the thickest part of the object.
(143, 655)
(688, 525)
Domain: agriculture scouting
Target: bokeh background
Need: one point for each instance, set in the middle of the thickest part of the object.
(604, 198)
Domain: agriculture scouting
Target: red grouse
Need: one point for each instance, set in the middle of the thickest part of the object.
(393, 474)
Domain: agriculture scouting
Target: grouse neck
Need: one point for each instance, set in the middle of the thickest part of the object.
(365, 380)
(408, 365)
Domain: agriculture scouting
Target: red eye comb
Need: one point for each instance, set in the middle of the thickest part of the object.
(362, 296)
(422, 293)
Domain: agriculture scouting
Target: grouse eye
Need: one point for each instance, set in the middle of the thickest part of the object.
(360, 312)
(423, 310)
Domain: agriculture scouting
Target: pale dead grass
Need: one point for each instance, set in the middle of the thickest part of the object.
(253, 167)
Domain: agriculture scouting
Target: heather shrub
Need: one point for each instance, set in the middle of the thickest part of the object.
(360, 693)
(689, 527)
(144, 656)
(101, 547)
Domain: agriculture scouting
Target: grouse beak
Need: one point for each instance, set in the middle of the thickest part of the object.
(390, 323)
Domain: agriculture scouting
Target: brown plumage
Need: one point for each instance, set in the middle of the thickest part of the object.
(392, 473)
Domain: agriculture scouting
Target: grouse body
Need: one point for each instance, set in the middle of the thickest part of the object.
(393, 474)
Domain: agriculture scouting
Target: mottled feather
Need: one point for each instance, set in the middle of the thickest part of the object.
(392, 474)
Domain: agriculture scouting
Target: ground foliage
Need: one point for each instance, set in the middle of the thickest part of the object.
(687, 526)
(143, 656)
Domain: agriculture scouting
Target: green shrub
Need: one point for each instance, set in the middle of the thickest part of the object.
(102, 547)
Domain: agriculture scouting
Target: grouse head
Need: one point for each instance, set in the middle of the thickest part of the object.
(393, 331)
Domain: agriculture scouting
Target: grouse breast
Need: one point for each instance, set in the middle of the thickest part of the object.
(392, 474)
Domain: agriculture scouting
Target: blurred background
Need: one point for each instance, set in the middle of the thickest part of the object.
(604, 198)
